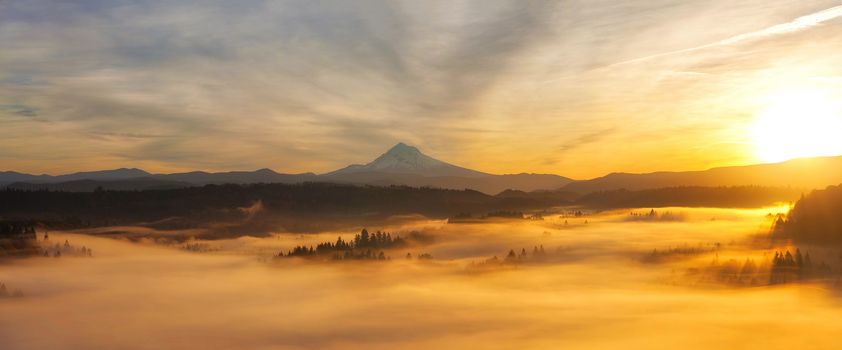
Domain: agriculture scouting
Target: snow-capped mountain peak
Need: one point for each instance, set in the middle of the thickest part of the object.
(406, 159)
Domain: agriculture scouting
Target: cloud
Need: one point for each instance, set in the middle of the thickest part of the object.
(798, 24)
(19, 110)
(584, 140)
(149, 67)
(312, 86)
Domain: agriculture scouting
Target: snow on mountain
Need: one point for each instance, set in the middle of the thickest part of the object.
(405, 159)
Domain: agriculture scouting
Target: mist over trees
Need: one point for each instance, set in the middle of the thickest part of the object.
(733, 197)
(17, 238)
(312, 207)
(5, 293)
(815, 218)
(20, 238)
(364, 246)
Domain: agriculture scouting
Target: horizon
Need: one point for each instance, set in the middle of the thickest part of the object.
(384, 153)
(576, 89)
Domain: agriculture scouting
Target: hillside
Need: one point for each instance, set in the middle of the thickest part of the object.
(816, 218)
(807, 173)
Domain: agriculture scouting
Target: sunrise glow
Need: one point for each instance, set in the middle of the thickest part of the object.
(798, 124)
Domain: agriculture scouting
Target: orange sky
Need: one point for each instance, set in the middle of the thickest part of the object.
(579, 88)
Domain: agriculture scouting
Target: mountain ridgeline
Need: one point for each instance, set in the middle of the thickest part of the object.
(400, 165)
(806, 174)
(405, 165)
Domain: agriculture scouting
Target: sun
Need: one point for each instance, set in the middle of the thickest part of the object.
(798, 124)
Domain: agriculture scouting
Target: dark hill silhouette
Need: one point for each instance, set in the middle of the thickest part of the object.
(406, 165)
(135, 184)
(115, 174)
(401, 165)
(490, 184)
(815, 218)
(237, 177)
(319, 206)
(807, 173)
(291, 206)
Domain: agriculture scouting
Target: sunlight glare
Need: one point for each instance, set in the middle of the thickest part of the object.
(798, 125)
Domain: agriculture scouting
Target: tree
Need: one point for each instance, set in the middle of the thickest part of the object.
(364, 238)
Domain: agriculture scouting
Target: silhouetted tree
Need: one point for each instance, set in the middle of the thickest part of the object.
(511, 254)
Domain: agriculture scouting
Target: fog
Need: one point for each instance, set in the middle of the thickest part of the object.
(593, 289)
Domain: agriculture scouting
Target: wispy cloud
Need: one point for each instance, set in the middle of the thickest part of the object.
(19, 110)
(795, 25)
(301, 85)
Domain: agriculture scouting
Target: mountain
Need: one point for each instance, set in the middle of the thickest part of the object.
(805, 173)
(8, 177)
(134, 184)
(400, 165)
(116, 174)
(405, 159)
(237, 177)
(406, 165)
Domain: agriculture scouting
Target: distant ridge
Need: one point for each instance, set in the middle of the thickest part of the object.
(805, 173)
(115, 174)
(136, 184)
(400, 165)
(237, 177)
(407, 165)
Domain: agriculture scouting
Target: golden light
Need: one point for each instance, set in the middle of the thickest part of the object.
(798, 124)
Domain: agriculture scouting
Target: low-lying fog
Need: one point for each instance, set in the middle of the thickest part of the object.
(606, 281)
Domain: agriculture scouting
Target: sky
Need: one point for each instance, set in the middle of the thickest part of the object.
(578, 88)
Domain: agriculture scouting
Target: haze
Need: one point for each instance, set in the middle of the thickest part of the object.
(593, 291)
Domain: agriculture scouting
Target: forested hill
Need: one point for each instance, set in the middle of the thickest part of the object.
(233, 202)
(308, 204)
(816, 218)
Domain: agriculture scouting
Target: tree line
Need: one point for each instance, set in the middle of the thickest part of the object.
(815, 218)
(364, 246)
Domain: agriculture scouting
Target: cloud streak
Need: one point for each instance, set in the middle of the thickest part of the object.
(798, 24)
